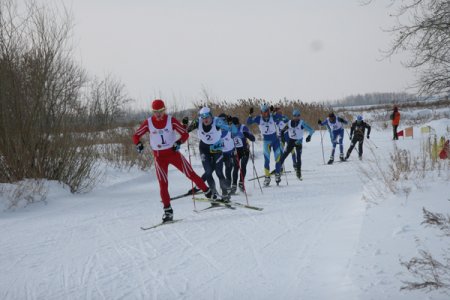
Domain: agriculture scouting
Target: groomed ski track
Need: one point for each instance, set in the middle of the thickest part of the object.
(302, 246)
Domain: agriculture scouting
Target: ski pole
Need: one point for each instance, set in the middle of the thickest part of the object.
(373, 143)
(254, 168)
(321, 141)
(192, 182)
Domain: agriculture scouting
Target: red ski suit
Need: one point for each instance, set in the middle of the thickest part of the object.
(165, 157)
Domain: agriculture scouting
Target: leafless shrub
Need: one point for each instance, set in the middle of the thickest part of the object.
(22, 193)
(391, 175)
(440, 221)
(39, 98)
(431, 273)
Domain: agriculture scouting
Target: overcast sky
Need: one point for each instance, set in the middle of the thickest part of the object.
(307, 50)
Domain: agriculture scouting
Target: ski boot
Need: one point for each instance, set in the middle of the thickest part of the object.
(266, 180)
(195, 190)
(277, 178)
(360, 157)
(233, 189)
(168, 214)
(347, 155)
(298, 172)
(341, 157)
(211, 195)
(330, 162)
(241, 187)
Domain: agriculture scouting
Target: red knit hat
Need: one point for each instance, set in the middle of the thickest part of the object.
(158, 105)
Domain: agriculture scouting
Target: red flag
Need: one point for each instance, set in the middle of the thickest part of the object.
(400, 133)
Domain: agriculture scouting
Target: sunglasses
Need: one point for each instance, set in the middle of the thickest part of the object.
(159, 110)
(204, 116)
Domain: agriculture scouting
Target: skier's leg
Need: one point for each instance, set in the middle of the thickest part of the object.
(298, 151)
(224, 184)
(181, 163)
(161, 167)
(267, 148)
(287, 151)
(207, 163)
(277, 154)
(360, 147)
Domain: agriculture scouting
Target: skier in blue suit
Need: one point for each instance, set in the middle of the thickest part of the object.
(268, 123)
(336, 127)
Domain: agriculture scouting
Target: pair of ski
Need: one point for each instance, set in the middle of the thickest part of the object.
(214, 204)
(195, 190)
(230, 204)
(271, 173)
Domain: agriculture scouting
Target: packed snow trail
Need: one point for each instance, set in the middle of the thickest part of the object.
(305, 244)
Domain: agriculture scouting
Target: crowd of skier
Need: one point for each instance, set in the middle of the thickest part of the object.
(225, 146)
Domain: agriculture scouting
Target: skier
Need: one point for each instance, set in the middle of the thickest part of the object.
(295, 128)
(284, 137)
(240, 133)
(357, 132)
(209, 130)
(336, 128)
(395, 117)
(228, 150)
(267, 123)
(162, 129)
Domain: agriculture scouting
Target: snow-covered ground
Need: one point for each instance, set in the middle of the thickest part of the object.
(320, 238)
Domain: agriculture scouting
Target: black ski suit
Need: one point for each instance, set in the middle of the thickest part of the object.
(357, 131)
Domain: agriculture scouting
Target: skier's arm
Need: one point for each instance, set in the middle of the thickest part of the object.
(308, 128)
(369, 128)
(352, 129)
(342, 120)
(323, 123)
(220, 124)
(252, 120)
(184, 135)
(248, 134)
(193, 125)
(143, 129)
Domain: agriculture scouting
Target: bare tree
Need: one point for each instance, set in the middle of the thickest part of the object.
(106, 101)
(423, 29)
(39, 94)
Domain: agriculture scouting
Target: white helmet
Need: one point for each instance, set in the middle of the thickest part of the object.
(205, 112)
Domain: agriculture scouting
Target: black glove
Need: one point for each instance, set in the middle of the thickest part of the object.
(350, 138)
(319, 122)
(139, 147)
(271, 108)
(308, 138)
(185, 121)
(176, 146)
(229, 119)
(368, 136)
(250, 111)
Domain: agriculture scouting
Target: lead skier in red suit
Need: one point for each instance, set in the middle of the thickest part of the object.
(162, 129)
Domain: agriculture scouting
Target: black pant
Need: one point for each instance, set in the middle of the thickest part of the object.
(229, 162)
(356, 139)
(213, 162)
(240, 165)
(394, 128)
(298, 150)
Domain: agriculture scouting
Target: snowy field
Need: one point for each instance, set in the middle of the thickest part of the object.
(320, 238)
